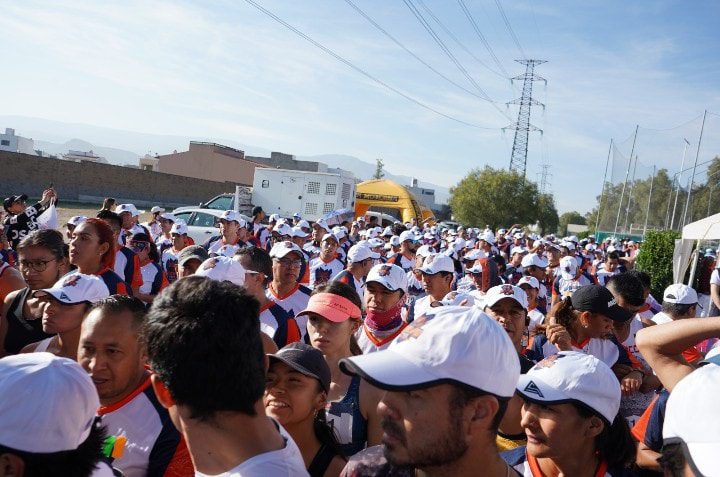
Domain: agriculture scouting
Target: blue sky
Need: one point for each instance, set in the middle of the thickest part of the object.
(223, 69)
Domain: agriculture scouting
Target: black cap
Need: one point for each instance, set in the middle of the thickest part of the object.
(7, 203)
(598, 299)
(306, 360)
(192, 252)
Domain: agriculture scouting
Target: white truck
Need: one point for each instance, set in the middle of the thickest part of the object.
(311, 194)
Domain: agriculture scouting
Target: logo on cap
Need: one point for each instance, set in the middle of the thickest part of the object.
(71, 281)
(533, 389)
(209, 264)
(507, 290)
(612, 302)
(384, 271)
(548, 362)
(288, 244)
(63, 296)
(430, 259)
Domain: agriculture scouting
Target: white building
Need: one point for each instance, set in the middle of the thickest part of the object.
(149, 163)
(78, 156)
(10, 142)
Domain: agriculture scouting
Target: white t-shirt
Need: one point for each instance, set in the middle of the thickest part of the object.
(286, 462)
(536, 318)
(715, 277)
(661, 318)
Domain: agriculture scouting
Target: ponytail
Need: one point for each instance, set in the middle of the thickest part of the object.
(326, 434)
(615, 445)
(564, 313)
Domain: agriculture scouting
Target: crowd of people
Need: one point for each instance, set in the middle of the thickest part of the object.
(282, 347)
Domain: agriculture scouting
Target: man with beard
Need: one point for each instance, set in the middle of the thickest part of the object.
(405, 259)
(445, 394)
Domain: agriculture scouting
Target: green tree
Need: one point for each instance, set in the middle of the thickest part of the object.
(548, 219)
(656, 258)
(570, 218)
(494, 197)
(379, 166)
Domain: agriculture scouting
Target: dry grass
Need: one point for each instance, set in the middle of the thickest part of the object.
(67, 210)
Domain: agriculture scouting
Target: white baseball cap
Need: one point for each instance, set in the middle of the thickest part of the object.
(299, 232)
(222, 268)
(692, 408)
(387, 232)
(76, 220)
(281, 249)
(573, 376)
(424, 251)
(157, 209)
(283, 229)
(528, 280)
(48, 403)
(408, 235)
(303, 224)
(179, 227)
(460, 344)
(375, 242)
(477, 268)
(488, 237)
(680, 294)
(168, 216)
(395, 241)
(76, 288)
(568, 267)
(515, 250)
(274, 218)
(128, 208)
(456, 298)
(329, 236)
(500, 292)
(436, 263)
(228, 250)
(388, 275)
(232, 216)
(533, 260)
(474, 254)
(360, 252)
(323, 224)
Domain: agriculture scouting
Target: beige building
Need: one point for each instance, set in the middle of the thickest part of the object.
(210, 161)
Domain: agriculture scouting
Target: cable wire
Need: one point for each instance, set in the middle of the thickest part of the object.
(512, 33)
(421, 19)
(674, 127)
(455, 39)
(360, 70)
(410, 52)
(482, 37)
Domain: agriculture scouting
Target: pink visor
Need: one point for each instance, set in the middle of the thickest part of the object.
(332, 307)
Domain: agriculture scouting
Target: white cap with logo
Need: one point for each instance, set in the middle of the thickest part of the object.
(76, 288)
(156, 210)
(388, 275)
(280, 249)
(360, 252)
(533, 260)
(222, 268)
(76, 220)
(573, 376)
(437, 263)
(232, 216)
(528, 280)
(460, 344)
(179, 227)
(680, 294)
(568, 267)
(48, 403)
(128, 208)
(500, 292)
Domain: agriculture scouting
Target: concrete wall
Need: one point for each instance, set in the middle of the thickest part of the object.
(279, 160)
(211, 162)
(88, 181)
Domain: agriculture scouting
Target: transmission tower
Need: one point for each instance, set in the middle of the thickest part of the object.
(545, 176)
(518, 158)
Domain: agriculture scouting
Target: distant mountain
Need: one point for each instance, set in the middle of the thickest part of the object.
(125, 147)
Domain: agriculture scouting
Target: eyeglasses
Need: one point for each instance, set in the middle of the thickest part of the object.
(286, 262)
(36, 265)
(139, 246)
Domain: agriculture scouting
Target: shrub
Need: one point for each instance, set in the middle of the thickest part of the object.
(656, 259)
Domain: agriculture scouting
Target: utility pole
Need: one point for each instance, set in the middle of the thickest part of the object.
(627, 174)
(545, 176)
(682, 166)
(602, 193)
(518, 158)
(692, 179)
(647, 212)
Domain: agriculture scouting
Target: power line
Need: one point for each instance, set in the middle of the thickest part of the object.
(419, 17)
(512, 33)
(482, 37)
(360, 70)
(410, 52)
(455, 39)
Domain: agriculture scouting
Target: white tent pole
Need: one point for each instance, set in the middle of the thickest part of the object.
(693, 269)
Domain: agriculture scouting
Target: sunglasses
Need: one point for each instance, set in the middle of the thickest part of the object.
(139, 246)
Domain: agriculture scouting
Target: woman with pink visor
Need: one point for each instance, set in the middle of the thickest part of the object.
(334, 315)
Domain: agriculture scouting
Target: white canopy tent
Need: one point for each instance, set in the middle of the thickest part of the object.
(705, 229)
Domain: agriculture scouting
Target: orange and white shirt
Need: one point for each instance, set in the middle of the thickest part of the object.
(293, 303)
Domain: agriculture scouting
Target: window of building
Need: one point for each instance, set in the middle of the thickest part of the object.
(346, 191)
(330, 189)
(328, 207)
(311, 208)
(4, 142)
(265, 184)
(313, 188)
